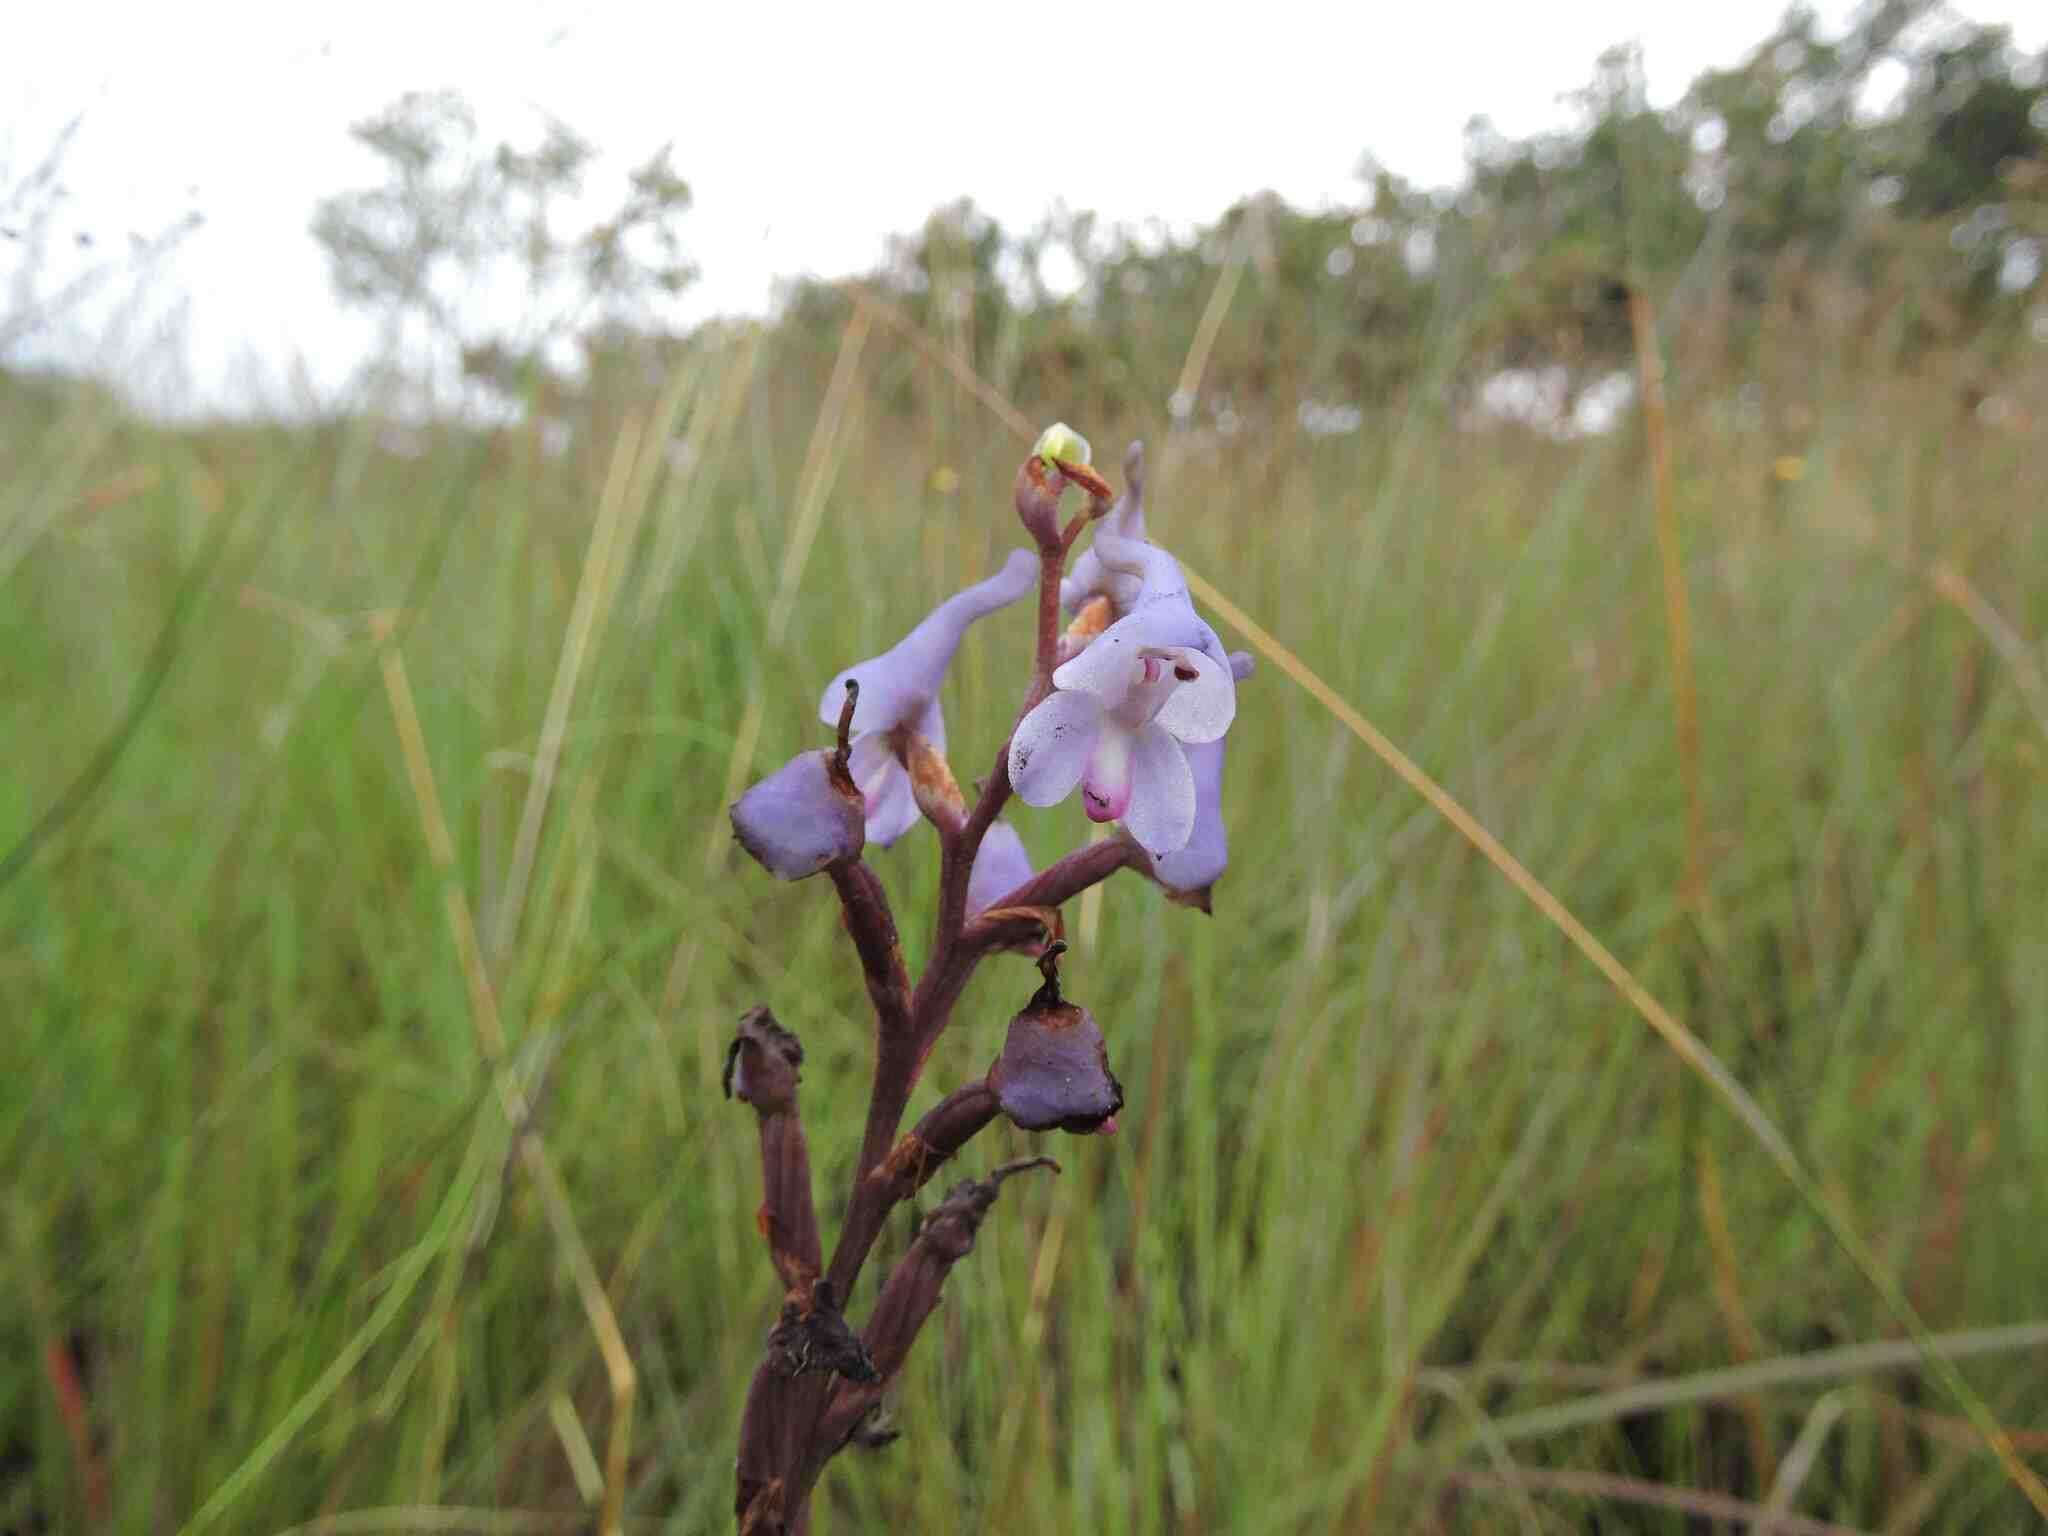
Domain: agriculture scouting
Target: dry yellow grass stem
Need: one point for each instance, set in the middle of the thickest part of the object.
(1677, 609)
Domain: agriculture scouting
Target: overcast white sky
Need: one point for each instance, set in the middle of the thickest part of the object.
(807, 134)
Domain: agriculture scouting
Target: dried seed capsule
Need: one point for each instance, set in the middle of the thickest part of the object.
(1054, 1071)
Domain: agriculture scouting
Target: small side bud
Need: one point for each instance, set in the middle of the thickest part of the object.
(1061, 443)
(1054, 1072)
(804, 817)
(1057, 460)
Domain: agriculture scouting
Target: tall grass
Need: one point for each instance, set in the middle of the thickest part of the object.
(1401, 1180)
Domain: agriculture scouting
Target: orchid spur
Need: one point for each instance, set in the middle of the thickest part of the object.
(899, 689)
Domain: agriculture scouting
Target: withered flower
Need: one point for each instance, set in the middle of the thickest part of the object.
(1054, 1072)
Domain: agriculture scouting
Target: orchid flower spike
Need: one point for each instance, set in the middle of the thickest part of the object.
(900, 688)
(1120, 718)
(1190, 871)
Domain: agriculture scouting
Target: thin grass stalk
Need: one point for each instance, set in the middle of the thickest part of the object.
(490, 1033)
(592, 598)
(1677, 606)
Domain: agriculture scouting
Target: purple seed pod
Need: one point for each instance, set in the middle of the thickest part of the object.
(1054, 1072)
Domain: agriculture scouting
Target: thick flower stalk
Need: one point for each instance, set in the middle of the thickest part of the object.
(1130, 705)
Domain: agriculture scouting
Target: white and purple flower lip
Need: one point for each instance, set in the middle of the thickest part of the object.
(1124, 711)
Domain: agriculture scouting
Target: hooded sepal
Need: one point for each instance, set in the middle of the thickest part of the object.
(804, 817)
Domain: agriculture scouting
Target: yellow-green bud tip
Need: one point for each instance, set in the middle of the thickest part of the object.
(1060, 441)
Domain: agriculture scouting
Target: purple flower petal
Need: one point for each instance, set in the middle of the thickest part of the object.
(1200, 864)
(1106, 786)
(1050, 748)
(902, 684)
(1204, 701)
(1201, 860)
(1161, 815)
(797, 821)
(1000, 867)
(1088, 576)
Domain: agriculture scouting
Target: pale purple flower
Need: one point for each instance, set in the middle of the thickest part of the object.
(1123, 712)
(1000, 866)
(900, 687)
(1192, 869)
(800, 819)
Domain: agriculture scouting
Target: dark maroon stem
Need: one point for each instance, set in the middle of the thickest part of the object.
(908, 1298)
(944, 1130)
(872, 926)
(1060, 883)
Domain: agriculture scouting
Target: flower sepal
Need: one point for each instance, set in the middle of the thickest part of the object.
(805, 817)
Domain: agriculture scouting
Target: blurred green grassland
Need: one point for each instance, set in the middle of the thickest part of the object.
(1398, 1169)
(1381, 1119)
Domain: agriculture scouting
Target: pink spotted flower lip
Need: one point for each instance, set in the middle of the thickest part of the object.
(1119, 720)
(900, 688)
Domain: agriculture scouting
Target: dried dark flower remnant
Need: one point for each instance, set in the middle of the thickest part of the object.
(816, 1338)
(762, 1068)
(763, 1064)
(1054, 1072)
(804, 817)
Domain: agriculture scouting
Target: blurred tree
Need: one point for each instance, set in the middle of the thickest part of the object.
(475, 250)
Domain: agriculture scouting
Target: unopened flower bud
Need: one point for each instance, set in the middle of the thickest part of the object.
(1054, 1072)
(1060, 442)
(1059, 459)
(802, 818)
